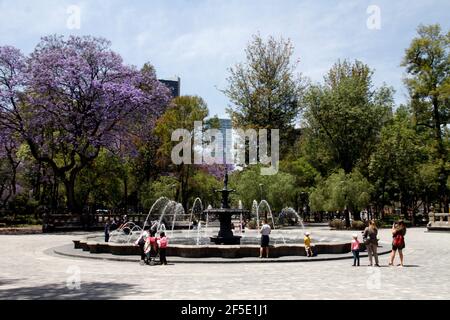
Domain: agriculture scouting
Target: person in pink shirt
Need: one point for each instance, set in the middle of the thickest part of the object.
(162, 244)
(151, 248)
(355, 250)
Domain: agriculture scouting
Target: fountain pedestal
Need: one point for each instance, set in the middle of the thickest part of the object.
(225, 235)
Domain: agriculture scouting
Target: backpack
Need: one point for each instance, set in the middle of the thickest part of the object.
(399, 241)
(141, 241)
(163, 243)
(154, 243)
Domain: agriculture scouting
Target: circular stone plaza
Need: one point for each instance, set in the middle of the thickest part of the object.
(46, 266)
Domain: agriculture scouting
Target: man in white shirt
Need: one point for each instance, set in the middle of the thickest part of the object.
(265, 231)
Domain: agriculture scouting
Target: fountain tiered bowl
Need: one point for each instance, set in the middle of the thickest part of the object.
(191, 244)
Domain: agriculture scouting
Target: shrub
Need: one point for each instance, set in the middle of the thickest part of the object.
(337, 224)
(358, 225)
(251, 224)
(380, 224)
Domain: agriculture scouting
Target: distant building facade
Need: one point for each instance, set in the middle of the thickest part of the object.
(173, 85)
(227, 137)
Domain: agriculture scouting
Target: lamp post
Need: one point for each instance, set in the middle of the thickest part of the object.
(173, 187)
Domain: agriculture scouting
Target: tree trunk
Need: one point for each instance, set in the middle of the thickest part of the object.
(72, 204)
(184, 189)
(70, 194)
(125, 194)
(347, 218)
(55, 195)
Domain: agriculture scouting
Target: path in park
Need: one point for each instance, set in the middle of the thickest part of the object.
(27, 272)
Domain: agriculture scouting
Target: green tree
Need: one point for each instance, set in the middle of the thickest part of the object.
(264, 91)
(346, 114)
(182, 114)
(342, 192)
(164, 186)
(397, 167)
(202, 186)
(105, 183)
(305, 176)
(427, 62)
(279, 190)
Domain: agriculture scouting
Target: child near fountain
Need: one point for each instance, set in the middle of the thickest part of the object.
(162, 244)
(151, 247)
(355, 250)
(307, 241)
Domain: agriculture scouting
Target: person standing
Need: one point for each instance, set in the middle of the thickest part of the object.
(371, 241)
(113, 225)
(141, 243)
(398, 242)
(307, 242)
(265, 232)
(151, 248)
(355, 250)
(162, 244)
(107, 229)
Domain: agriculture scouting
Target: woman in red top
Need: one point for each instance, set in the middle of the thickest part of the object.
(398, 243)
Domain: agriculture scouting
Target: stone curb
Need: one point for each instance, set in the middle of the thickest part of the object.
(59, 252)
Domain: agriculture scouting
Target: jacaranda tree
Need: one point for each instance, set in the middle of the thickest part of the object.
(70, 98)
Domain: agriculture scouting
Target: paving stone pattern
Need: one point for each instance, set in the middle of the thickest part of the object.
(28, 272)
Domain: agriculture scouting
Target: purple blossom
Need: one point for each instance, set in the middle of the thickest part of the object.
(71, 97)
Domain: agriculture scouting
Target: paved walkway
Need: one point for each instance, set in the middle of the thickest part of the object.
(28, 272)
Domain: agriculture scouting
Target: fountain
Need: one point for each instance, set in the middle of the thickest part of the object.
(179, 210)
(225, 244)
(125, 231)
(291, 214)
(225, 235)
(197, 209)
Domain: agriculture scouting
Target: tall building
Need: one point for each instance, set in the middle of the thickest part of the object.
(225, 140)
(173, 85)
(227, 137)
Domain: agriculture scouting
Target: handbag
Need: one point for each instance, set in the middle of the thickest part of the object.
(366, 241)
(366, 237)
(398, 241)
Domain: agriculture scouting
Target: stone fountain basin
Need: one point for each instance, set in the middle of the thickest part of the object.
(221, 251)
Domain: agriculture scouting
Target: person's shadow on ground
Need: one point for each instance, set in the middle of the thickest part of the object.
(60, 291)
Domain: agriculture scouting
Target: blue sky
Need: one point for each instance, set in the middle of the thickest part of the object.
(199, 40)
